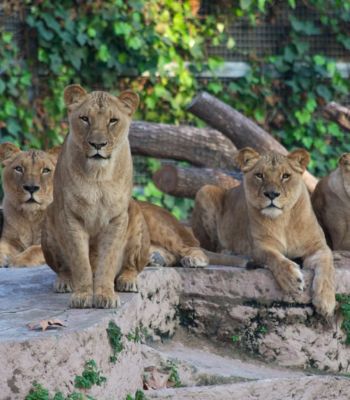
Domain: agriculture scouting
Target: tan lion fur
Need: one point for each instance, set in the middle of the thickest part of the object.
(171, 242)
(273, 231)
(93, 232)
(23, 212)
(331, 200)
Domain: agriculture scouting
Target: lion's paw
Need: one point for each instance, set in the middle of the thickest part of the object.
(81, 299)
(193, 262)
(324, 297)
(62, 285)
(127, 282)
(291, 279)
(106, 299)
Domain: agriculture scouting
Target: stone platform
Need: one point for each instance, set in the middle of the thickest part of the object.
(242, 311)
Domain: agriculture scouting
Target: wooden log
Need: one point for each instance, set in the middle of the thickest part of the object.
(240, 129)
(338, 113)
(202, 147)
(185, 182)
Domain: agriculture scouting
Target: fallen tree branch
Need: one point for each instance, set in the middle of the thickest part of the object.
(202, 147)
(238, 128)
(338, 113)
(185, 182)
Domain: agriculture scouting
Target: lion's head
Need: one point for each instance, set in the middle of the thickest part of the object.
(272, 182)
(98, 121)
(27, 176)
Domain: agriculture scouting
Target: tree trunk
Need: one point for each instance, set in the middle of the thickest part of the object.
(339, 114)
(240, 129)
(185, 182)
(200, 146)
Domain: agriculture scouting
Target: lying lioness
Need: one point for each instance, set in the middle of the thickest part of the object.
(27, 182)
(93, 232)
(331, 202)
(270, 218)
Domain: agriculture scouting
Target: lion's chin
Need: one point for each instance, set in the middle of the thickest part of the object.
(271, 212)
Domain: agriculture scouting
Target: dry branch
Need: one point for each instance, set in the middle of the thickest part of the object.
(185, 182)
(240, 129)
(338, 113)
(202, 147)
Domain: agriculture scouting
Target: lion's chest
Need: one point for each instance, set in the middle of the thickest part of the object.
(97, 206)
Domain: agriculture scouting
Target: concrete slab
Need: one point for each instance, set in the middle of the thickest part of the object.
(54, 358)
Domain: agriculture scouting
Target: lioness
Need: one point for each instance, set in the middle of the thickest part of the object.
(331, 205)
(93, 232)
(27, 182)
(270, 218)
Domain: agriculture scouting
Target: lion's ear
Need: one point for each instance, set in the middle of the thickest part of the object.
(7, 150)
(130, 101)
(73, 94)
(344, 159)
(55, 151)
(300, 159)
(246, 159)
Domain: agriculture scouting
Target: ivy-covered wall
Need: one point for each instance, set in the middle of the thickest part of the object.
(158, 48)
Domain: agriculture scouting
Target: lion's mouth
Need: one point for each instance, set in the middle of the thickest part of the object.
(98, 156)
(31, 200)
(272, 205)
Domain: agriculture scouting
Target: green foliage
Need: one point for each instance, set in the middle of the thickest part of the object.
(90, 376)
(38, 392)
(235, 339)
(115, 336)
(285, 92)
(174, 373)
(137, 335)
(139, 395)
(344, 306)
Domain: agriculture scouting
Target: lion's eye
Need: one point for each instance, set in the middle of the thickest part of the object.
(285, 176)
(84, 118)
(19, 169)
(259, 176)
(46, 170)
(113, 121)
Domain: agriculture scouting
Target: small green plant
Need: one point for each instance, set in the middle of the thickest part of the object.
(90, 376)
(139, 395)
(38, 392)
(137, 335)
(115, 340)
(344, 306)
(174, 373)
(262, 330)
(235, 339)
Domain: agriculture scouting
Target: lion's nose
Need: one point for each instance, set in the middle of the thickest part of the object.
(271, 195)
(98, 146)
(31, 188)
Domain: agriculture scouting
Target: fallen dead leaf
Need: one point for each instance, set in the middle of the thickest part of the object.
(154, 379)
(45, 324)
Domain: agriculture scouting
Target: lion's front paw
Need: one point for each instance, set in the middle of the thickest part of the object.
(106, 298)
(81, 299)
(324, 297)
(62, 285)
(127, 282)
(290, 278)
(194, 262)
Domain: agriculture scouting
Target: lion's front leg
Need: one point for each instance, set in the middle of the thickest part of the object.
(107, 262)
(286, 272)
(323, 286)
(136, 253)
(30, 257)
(75, 248)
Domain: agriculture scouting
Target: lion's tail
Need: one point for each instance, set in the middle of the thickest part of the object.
(226, 259)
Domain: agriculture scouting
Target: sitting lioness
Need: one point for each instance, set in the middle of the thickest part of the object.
(93, 233)
(270, 218)
(27, 182)
(331, 202)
